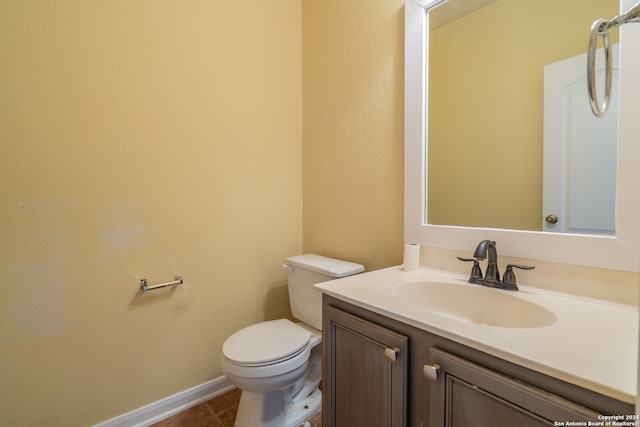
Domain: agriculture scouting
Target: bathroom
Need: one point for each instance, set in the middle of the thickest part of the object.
(208, 139)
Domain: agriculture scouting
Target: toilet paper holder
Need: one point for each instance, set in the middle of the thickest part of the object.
(144, 288)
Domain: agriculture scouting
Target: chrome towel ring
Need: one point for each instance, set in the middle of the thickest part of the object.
(599, 109)
(601, 27)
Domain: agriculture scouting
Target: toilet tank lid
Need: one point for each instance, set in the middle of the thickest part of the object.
(324, 265)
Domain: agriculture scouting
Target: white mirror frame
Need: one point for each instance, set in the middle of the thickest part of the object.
(619, 252)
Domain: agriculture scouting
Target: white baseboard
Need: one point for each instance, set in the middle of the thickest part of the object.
(171, 405)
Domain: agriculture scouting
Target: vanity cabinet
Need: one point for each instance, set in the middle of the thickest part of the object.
(376, 369)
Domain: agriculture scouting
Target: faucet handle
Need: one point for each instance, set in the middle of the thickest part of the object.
(509, 278)
(476, 272)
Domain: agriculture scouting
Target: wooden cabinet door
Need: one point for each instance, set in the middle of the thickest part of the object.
(365, 373)
(469, 395)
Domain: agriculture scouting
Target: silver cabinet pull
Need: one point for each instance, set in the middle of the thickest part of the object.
(391, 354)
(431, 372)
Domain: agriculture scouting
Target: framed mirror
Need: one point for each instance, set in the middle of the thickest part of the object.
(619, 250)
(492, 77)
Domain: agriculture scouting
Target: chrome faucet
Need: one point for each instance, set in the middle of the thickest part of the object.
(486, 249)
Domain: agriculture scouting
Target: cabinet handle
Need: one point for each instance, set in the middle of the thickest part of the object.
(431, 372)
(391, 354)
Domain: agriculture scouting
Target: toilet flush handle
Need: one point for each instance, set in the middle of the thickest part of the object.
(288, 267)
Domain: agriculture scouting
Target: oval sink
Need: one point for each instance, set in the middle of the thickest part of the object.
(476, 304)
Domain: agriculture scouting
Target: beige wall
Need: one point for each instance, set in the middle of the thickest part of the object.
(140, 139)
(145, 139)
(353, 129)
(486, 107)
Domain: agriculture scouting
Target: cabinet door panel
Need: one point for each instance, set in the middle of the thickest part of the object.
(363, 385)
(469, 395)
(467, 405)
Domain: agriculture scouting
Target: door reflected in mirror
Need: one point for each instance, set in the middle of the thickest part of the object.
(488, 123)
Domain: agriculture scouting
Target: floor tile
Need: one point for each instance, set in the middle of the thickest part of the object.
(218, 412)
(227, 401)
(227, 417)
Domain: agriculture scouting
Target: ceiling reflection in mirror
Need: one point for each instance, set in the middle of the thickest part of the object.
(486, 118)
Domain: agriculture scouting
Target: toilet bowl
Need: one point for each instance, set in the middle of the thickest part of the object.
(275, 363)
(278, 364)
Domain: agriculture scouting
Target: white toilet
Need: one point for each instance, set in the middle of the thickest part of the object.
(278, 364)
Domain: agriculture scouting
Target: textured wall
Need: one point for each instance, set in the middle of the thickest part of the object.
(140, 139)
(353, 129)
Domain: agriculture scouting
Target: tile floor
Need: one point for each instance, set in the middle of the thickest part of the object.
(218, 412)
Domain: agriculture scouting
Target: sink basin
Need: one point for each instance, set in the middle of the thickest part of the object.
(475, 304)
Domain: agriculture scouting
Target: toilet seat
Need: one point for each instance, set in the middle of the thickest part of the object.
(266, 343)
(267, 349)
(271, 362)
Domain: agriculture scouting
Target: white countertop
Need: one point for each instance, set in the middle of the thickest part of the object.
(591, 344)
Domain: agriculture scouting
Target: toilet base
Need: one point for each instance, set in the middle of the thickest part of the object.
(284, 400)
(267, 409)
(299, 412)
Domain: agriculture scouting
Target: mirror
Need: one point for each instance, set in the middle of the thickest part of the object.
(487, 118)
(618, 252)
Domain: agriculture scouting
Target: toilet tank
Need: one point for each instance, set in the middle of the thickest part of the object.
(307, 270)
